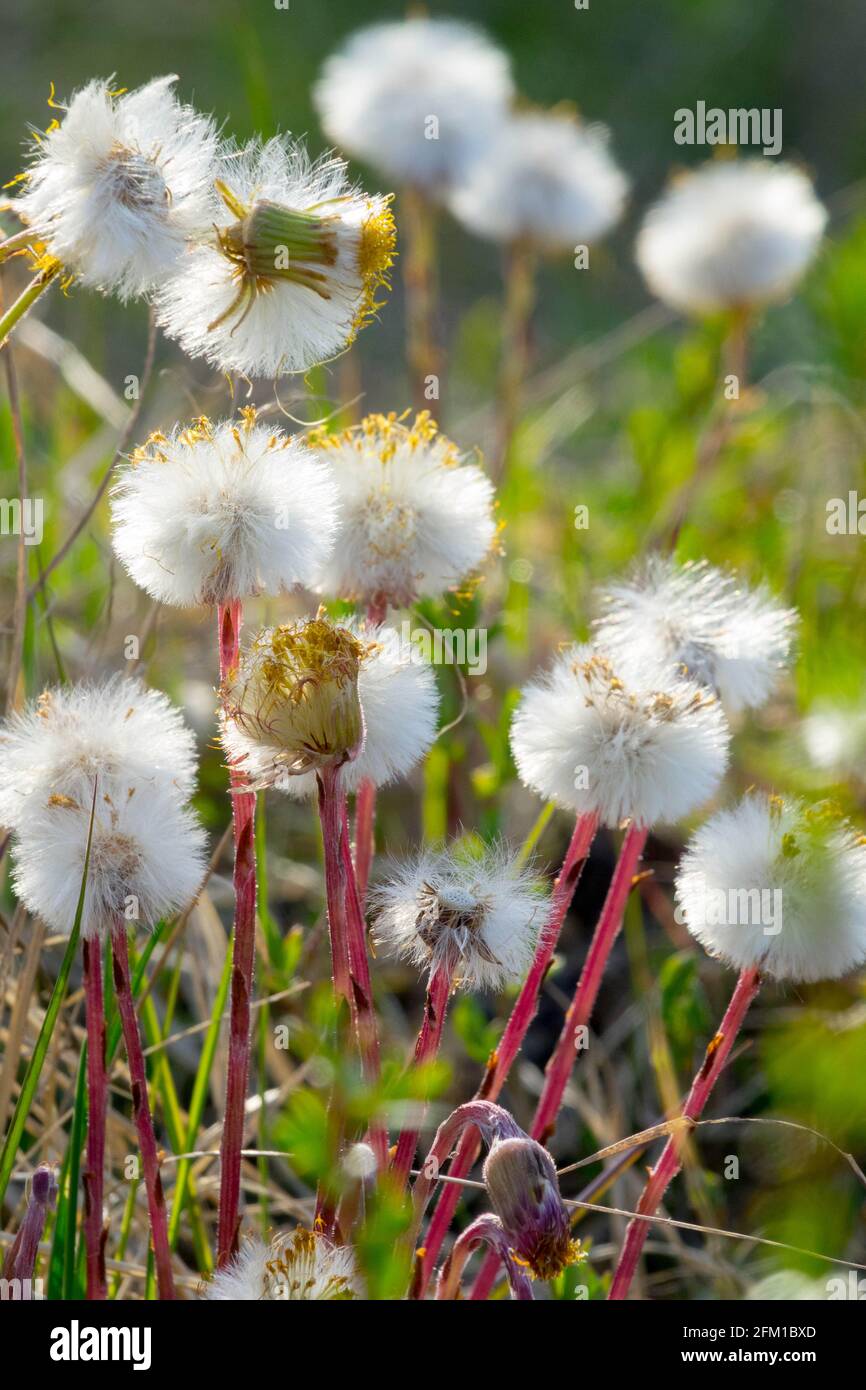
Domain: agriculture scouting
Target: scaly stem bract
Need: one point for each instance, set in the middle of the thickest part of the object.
(141, 1112)
(426, 1048)
(718, 1051)
(243, 965)
(512, 1039)
(97, 1103)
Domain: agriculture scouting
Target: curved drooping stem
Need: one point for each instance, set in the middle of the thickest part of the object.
(484, 1230)
(426, 1048)
(97, 1102)
(516, 1028)
(243, 966)
(141, 1112)
(669, 1164)
(564, 1055)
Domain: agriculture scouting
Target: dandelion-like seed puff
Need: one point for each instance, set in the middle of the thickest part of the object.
(216, 513)
(778, 885)
(304, 1266)
(418, 99)
(474, 918)
(701, 621)
(733, 234)
(294, 268)
(584, 739)
(414, 518)
(119, 187)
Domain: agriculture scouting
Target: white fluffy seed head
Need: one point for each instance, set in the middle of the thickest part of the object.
(414, 518)
(400, 705)
(545, 179)
(670, 619)
(418, 99)
(120, 186)
(298, 1267)
(217, 512)
(779, 886)
(582, 738)
(476, 917)
(293, 269)
(146, 859)
(292, 705)
(734, 234)
(835, 738)
(117, 732)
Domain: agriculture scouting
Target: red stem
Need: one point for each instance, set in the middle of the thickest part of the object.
(747, 986)
(141, 1112)
(516, 1028)
(564, 1055)
(97, 1101)
(243, 966)
(365, 817)
(362, 987)
(331, 816)
(426, 1048)
(484, 1230)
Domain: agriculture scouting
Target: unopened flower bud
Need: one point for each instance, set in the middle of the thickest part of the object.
(524, 1192)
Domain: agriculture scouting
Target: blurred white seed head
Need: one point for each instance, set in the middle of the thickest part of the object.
(292, 272)
(477, 918)
(418, 99)
(544, 179)
(584, 739)
(835, 738)
(146, 859)
(217, 512)
(118, 188)
(292, 705)
(414, 518)
(116, 731)
(400, 704)
(734, 234)
(693, 619)
(777, 885)
(301, 1266)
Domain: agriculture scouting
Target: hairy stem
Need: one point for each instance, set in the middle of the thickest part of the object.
(564, 1055)
(717, 1053)
(243, 966)
(485, 1230)
(516, 1028)
(141, 1112)
(97, 1102)
(426, 1048)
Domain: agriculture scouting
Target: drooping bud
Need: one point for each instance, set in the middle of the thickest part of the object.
(293, 706)
(524, 1192)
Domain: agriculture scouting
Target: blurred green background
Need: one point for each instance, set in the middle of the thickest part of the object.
(620, 393)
